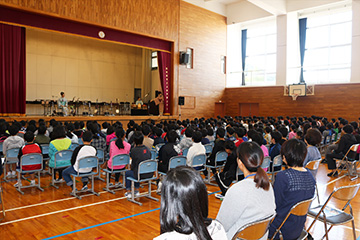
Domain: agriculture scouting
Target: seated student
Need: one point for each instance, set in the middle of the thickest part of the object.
(59, 143)
(219, 146)
(346, 141)
(210, 134)
(147, 141)
(258, 138)
(69, 133)
(158, 139)
(229, 134)
(250, 199)
(13, 141)
(104, 125)
(312, 138)
(41, 138)
(196, 149)
(299, 135)
(239, 134)
(29, 147)
(291, 186)
(78, 129)
(228, 174)
(169, 150)
(204, 139)
(120, 146)
(267, 137)
(138, 154)
(276, 147)
(110, 134)
(292, 133)
(186, 141)
(81, 151)
(184, 208)
(284, 132)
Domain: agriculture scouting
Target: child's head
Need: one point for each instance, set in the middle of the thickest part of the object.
(197, 136)
(230, 131)
(87, 136)
(313, 137)
(172, 136)
(284, 132)
(229, 147)
(188, 132)
(146, 130)
(29, 136)
(120, 133)
(13, 129)
(276, 136)
(138, 138)
(294, 151)
(220, 132)
(348, 128)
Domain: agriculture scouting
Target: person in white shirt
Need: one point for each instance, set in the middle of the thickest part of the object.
(196, 148)
(63, 104)
(184, 208)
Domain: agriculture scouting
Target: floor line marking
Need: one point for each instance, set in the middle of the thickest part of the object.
(64, 210)
(337, 179)
(112, 221)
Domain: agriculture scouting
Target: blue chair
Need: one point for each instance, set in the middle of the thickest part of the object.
(154, 154)
(208, 149)
(73, 146)
(1, 149)
(26, 160)
(158, 146)
(117, 160)
(266, 163)
(101, 157)
(185, 152)
(276, 163)
(63, 156)
(11, 158)
(85, 163)
(147, 166)
(198, 162)
(212, 143)
(220, 159)
(174, 162)
(80, 141)
(46, 158)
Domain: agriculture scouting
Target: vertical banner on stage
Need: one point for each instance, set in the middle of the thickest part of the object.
(164, 60)
(12, 70)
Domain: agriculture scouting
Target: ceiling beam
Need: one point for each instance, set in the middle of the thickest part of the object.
(275, 7)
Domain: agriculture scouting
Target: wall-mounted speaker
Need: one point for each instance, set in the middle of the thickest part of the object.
(184, 58)
(181, 101)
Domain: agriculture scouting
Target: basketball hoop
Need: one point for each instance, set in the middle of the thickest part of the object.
(294, 96)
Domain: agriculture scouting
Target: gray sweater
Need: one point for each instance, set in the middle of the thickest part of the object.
(244, 203)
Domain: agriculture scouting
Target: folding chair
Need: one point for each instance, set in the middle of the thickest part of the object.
(26, 160)
(299, 209)
(332, 215)
(147, 166)
(198, 162)
(117, 160)
(314, 165)
(63, 156)
(253, 230)
(277, 162)
(101, 157)
(208, 149)
(86, 162)
(153, 154)
(185, 152)
(73, 146)
(10, 158)
(174, 162)
(46, 158)
(350, 162)
(220, 159)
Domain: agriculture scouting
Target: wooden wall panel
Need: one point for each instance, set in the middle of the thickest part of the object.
(332, 100)
(205, 32)
(158, 18)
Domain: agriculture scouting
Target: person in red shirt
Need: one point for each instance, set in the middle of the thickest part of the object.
(29, 147)
(239, 134)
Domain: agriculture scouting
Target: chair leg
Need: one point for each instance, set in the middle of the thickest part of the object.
(19, 184)
(2, 202)
(92, 186)
(149, 193)
(317, 193)
(38, 185)
(132, 199)
(107, 184)
(52, 178)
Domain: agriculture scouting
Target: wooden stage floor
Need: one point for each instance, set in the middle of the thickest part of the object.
(54, 214)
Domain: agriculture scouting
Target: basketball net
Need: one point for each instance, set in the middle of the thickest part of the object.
(294, 97)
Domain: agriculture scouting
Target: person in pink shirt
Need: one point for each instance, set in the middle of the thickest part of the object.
(110, 135)
(292, 134)
(118, 147)
(258, 138)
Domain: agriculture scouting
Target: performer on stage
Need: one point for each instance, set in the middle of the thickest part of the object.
(139, 101)
(156, 106)
(63, 104)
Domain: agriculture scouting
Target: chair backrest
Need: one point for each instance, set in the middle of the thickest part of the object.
(1, 147)
(345, 193)
(208, 148)
(266, 162)
(177, 161)
(100, 153)
(212, 143)
(44, 148)
(88, 162)
(277, 162)
(12, 154)
(31, 159)
(313, 165)
(153, 154)
(74, 145)
(158, 146)
(221, 156)
(80, 141)
(185, 152)
(299, 209)
(147, 166)
(352, 152)
(254, 230)
(199, 160)
(120, 159)
(63, 156)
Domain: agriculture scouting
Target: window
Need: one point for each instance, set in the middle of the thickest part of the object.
(328, 48)
(154, 61)
(260, 62)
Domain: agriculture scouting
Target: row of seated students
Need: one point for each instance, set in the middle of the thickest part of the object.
(235, 133)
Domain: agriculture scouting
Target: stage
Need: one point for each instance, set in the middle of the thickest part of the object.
(124, 119)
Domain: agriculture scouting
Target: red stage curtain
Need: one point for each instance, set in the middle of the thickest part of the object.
(164, 60)
(12, 70)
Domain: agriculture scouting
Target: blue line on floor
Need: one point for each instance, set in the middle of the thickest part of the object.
(112, 221)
